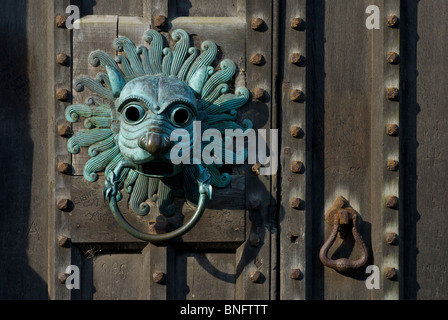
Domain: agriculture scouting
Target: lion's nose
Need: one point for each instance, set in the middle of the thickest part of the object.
(155, 143)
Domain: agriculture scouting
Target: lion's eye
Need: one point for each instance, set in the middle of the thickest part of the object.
(180, 116)
(133, 113)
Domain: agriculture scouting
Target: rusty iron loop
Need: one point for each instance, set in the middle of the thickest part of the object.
(343, 264)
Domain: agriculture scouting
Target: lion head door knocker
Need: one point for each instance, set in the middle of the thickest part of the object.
(134, 111)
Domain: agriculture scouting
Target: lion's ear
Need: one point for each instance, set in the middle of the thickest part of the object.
(117, 81)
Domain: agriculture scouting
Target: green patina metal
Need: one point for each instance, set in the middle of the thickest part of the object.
(143, 96)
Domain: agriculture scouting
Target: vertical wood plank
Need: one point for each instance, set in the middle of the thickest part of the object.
(261, 222)
(427, 108)
(60, 257)
(293, 148)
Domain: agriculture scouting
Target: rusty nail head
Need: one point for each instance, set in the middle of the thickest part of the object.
(296, 58)
(160, 21)
(62, 277)
(295, 274)
(63, 167)
(158, 277)
(254, 204)
(392, 129)
(256, 59)
(255, 276)
(295, 203)
(64, 130)
(295, 131)
(254, 240)
(297, 23)
(256, 168)
(296, 95)
(62, 94)
(392, 57)
(256, 23)
(392, 21)
(390, 273)
(391, 202)
(63, 241)
(392, 165)
(62, 59)
(392, 93)
(296, 166)
(259, 93)
(391, 238)
(61, 20)
(63, 204)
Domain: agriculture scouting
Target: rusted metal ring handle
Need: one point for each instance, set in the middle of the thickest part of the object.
(343, 264)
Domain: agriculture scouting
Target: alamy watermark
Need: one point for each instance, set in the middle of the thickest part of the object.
(221, 150)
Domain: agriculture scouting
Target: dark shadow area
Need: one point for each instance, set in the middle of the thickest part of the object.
(17, 279)
(408, 149)
(315, 113)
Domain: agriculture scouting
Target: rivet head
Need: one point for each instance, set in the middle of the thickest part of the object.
(392, 165)
(390, 273)
(391, 202)
(296, 166)
(295, 203)
(256, 23)
(297, 23)
(64, 130)
(254, 240)
(392, 94)
(63, 168)
(296, 131)
(295, 274)
(255, 276)
(392, 129)
(259, 93)
(63, 204)
(392, 57)
(160, 21)
(296, 95)
(391, 238)
(256, 168)
(256, 59)
(158, 277)
(63, 241)
(62, 277)
(296, 58)
(61, 21)
(62, 94)
(255, 204)
(62, 59)
(392, 21)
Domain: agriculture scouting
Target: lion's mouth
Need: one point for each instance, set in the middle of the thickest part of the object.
(157, 169)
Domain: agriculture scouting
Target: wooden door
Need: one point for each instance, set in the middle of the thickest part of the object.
(359, 127)
(231, 244)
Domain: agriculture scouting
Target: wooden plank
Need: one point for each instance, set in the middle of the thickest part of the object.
(60, 257)
(110, 7)
(216, 271)
(427, 101)
(347, 134)
(214, 8)
(254, 256)
(222, 224)
(293, 185)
